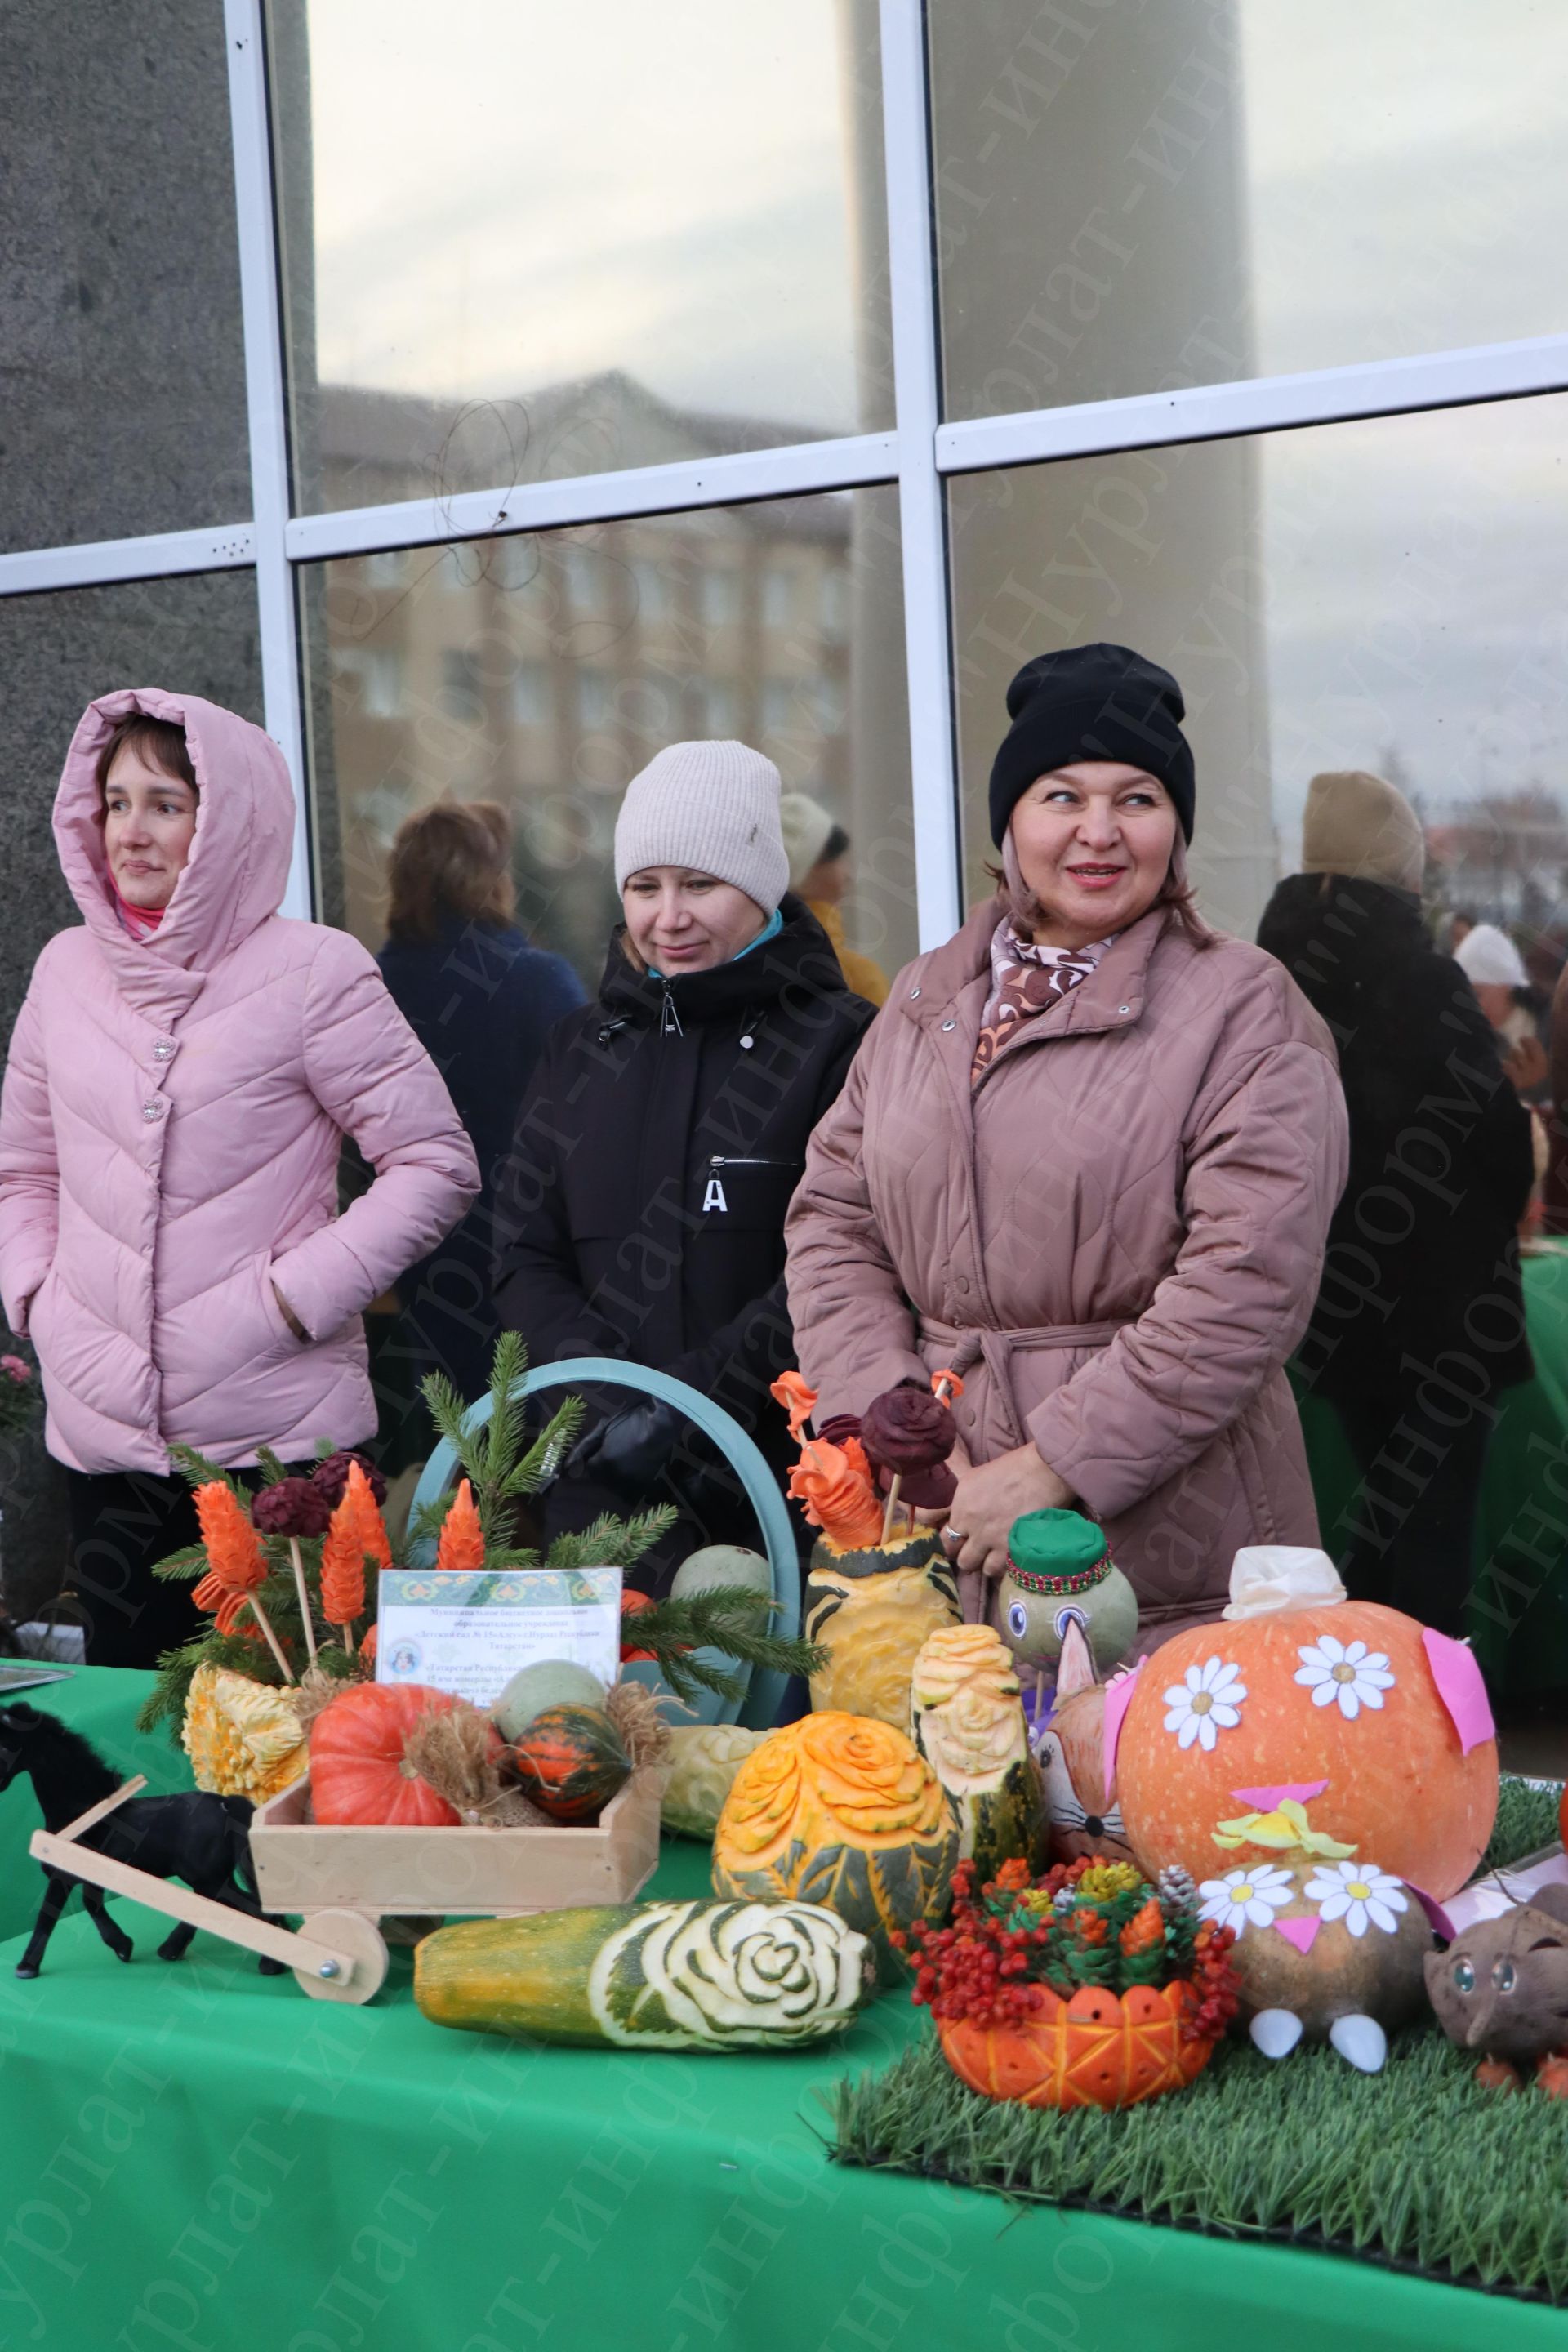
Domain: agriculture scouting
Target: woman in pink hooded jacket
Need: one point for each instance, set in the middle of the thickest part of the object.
(1085, 1157)
(181, 1077)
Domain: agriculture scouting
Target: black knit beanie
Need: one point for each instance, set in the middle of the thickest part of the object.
(1092, 702)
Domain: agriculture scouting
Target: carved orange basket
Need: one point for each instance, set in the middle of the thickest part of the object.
(1098, 2049)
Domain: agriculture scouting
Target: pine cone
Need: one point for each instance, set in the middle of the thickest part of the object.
(1144, 1930)
(1177, 1888)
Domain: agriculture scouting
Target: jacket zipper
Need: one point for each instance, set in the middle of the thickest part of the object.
(720, 1160)
(669, 1019)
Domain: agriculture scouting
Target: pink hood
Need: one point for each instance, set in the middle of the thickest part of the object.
(238, 866)
(172, 1118)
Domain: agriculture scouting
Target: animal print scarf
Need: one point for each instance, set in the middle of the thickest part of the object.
(1025, 979)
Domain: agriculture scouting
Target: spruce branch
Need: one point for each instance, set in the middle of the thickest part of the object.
(735, 1624)
(273, 1471)
(612, 1542)
(197, 1471)
(182, 1566)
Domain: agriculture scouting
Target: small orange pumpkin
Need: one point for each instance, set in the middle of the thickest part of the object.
(1097, 2049)
(358, 1775)
(1381, 1726)
(632, 1605)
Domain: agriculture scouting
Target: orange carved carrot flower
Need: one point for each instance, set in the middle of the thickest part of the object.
(343, 1564)
(236, 1563)
(461, 1549)
(798, 1401)
(833, 1485)
(367, 1517)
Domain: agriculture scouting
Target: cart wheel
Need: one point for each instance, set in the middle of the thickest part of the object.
(350, 1932)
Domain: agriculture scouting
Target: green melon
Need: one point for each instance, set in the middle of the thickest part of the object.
(718, 1566)
(553, 1682)
(704, 1760)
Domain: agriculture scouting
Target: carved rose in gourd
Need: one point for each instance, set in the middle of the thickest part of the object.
(840, 1810)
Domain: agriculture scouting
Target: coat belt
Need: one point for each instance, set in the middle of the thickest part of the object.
(964, 1346)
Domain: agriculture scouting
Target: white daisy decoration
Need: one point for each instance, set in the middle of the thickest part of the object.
(1205, 1701)
(1359, 1894)
(1348, 1678)
(1245, 1898)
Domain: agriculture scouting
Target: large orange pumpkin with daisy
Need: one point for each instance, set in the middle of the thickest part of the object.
(1376, 1721)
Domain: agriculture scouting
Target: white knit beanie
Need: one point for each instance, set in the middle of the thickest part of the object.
(1488, 957)
(712, 807)
(806, 828)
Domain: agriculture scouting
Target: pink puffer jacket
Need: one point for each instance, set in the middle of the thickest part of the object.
(170, 1130)
(1116, 1238)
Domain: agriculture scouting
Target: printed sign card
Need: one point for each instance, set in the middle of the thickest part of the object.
(471, 1633)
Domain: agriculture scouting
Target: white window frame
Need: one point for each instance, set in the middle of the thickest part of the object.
(917, 457)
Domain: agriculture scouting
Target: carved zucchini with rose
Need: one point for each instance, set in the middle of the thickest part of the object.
(704, 1974)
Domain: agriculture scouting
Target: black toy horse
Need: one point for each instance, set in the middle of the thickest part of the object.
(202, 1839)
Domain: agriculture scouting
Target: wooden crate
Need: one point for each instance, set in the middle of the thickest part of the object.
(303, 1866)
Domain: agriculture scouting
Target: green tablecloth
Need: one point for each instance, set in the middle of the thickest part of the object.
(1519, 1611)
(198, 2157)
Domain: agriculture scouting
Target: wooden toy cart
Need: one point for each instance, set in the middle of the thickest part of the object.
(341, 1884)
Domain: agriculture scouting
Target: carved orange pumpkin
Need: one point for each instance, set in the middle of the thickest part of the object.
(1098, 2049)
(1379, 1724)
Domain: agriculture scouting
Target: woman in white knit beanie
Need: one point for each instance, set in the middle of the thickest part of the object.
(641, 1214)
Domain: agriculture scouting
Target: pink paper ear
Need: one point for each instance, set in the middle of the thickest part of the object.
(1435, 1912)
(1265, 1799)
(1460, 1687)
(1118, 1699)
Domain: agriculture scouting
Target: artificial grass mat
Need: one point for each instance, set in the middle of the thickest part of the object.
(1417, 2166)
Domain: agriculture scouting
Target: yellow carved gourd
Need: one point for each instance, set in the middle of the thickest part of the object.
(243, 1737)
(843, 1810)
(872, 1609)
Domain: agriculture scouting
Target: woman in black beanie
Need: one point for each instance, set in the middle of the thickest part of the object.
(1087, 1158)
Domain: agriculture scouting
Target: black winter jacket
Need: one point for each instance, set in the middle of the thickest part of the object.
(641, 1214)
(1422, 1259)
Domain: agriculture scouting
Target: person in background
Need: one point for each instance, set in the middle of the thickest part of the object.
(818, 851)
(1420, 1318)
(181, 1077)
(1495, 969)
(1086, 1159)
(482, 1002)
(1554, 1191)
(640, 1215)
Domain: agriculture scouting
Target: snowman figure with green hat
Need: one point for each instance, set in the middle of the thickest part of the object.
(1060, 1572)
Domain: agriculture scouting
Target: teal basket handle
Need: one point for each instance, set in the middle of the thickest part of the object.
(765, 1691)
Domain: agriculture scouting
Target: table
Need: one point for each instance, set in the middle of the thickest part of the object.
(1517, 1618)
(197, 2156)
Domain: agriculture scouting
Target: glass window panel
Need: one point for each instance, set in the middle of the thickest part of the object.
(778, 598)
(586, 241)
(1130, 199)
(121, 371)
(720, 597)
(718, 708)
(1383, 595)
(530, 700)
(512, 695)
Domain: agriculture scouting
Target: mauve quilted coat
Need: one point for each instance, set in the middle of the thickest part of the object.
(1116, 1239)
(170, 1130)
